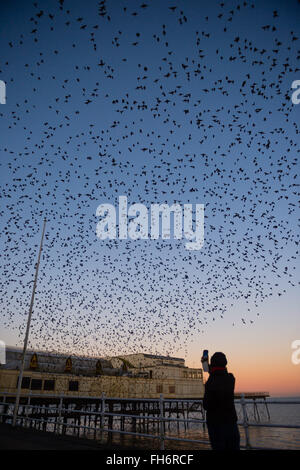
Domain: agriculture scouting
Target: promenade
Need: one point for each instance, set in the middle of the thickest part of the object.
(19, 438)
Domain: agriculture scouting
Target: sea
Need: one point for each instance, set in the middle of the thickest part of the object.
(259, 437)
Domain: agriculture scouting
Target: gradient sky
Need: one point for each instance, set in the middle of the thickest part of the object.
(188, 105)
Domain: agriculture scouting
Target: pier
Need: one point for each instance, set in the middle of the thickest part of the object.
(100, 418)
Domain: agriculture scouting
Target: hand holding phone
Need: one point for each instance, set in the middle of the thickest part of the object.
(204, 360)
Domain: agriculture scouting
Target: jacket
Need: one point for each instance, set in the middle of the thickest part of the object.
(218, 398)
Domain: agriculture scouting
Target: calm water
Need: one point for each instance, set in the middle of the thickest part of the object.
(259, 437)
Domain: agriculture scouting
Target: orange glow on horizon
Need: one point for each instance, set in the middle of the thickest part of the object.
(277, 378)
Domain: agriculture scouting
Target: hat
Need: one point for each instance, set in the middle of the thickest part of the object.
(218, 360)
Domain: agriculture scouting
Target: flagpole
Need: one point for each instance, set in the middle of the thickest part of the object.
(27, 330)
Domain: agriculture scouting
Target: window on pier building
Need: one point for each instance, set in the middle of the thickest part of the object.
(73, 385)
(68, 366)
(36, 384)
(49, 385)
(33, 362)
(25, 382)
(159, 388)
(99, 369)
(172, 389)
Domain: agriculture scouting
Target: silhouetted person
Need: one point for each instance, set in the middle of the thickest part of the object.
(219, 405)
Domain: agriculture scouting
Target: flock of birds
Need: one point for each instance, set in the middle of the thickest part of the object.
(133, 99)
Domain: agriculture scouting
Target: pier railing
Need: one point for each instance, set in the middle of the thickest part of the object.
(59, 418)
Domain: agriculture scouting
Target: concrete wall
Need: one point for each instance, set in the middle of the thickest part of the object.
(123, 387)
(168, 372)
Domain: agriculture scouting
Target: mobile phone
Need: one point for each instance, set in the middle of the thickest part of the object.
(205, 360)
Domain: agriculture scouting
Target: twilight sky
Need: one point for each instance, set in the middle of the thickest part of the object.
(168, 102)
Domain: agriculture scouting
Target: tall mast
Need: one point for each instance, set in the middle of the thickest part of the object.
(27, 330)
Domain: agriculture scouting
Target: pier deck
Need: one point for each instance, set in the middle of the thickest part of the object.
(20, 438)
